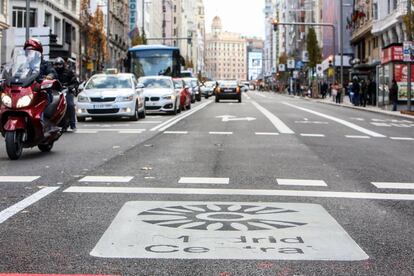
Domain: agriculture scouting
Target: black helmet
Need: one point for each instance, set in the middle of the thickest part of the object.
(59, 61)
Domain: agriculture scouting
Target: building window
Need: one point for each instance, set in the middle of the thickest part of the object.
(19, 17)
(375, 11)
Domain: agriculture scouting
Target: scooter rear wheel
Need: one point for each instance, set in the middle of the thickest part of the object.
(14, 144)
(45, 147)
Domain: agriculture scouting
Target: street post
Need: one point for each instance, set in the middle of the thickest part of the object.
(409, 38)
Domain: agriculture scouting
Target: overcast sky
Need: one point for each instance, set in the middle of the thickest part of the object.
(241, 16)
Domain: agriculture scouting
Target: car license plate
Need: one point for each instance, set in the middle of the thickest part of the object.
(228, 90)
(103, 106)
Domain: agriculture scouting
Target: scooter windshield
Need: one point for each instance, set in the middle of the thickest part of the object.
(24, 67)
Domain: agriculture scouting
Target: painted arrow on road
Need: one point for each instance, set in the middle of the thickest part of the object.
(228, 118)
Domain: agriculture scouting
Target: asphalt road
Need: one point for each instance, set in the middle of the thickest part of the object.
(274, 185)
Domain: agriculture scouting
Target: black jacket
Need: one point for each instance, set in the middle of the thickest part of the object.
(67, 78)
(47, 69)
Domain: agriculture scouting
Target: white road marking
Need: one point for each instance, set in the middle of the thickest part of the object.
(340, 121)
(311, 122)
(175, 132)
(393, 185)
(220, 133)
(80, 131)
(174, 120)
(267, 133)
(311, 135)
(243, 192)
(16, 208)
(402, 138)
(247, 97)
(120, 179)
(147, 122)
(18, 178)
(357, 137)
(301, 182)
(280, 126)
(203, 180)
(132, 131)
(109, 130)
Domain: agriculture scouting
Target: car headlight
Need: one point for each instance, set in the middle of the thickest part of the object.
(24, 101)
(6, 100)
(125, 98)
(169, 97)
(83, 99)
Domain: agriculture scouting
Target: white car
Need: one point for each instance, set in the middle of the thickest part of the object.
(111, 95)
(160, 94)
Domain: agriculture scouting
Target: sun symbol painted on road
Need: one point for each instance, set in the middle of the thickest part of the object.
(219, 217)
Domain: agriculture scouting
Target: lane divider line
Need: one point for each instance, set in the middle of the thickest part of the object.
(20, 206)
(280, 126)
(203, 180)
(393, 185)
(266, 133)
(402, 138)
(340, 121)
(357, 136)
(220, 133)
(301, 182)
(311, 135)
(118, 179)
(238, 192)
(15, 179)
(173, 121)
(175, 132)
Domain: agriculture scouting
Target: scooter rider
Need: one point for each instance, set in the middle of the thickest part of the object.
(68, 79)
(46, 69)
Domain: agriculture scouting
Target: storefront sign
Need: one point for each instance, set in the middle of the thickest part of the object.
(401, 76)
(394, 53)
(408, 51)
(132, 14)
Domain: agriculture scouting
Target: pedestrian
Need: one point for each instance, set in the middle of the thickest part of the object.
(394, 95)
(363, 93)
(324, 89)
(372, 92)
(334, 91)
(338, 93)
(355, 89)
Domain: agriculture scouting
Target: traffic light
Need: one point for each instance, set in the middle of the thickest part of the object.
(275, 24)
(330, 60)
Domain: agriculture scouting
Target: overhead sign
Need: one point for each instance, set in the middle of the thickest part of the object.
(291, 63)
(282, 67)
(226, 230)
(255, 65)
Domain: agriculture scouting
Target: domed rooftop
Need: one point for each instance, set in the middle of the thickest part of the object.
(216, 26)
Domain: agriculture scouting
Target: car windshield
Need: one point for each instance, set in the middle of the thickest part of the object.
(178, 84)
(109, 82)
(156, 83)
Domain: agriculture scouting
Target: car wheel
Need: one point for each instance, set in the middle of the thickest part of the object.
(217, 99)
(81, 119)
(142, 114)
(240, 100)
(135, 116)
(188, 106)
(198, 98)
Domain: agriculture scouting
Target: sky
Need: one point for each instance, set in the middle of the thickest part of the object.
(241, 16)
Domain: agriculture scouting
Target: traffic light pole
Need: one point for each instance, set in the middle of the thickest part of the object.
(318, 25)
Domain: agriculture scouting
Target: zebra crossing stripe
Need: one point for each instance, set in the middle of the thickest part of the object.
(115, 179)
(393, 185)
(203, 180)
(301, 182)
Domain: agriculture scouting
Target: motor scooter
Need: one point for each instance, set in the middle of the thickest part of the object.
(31, 108)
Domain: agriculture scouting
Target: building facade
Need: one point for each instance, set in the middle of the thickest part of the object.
(226, 56)
(54, 23)
(118, 32)
(4, 23)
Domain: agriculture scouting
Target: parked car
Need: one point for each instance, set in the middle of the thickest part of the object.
(110, 95)
(229, 89)
(195, 89)
(207, 90)
(160, 94)
(185, 95)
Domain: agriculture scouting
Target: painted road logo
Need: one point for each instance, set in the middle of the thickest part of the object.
(220, 230)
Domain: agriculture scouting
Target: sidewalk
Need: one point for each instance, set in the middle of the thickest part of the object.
(347, 104)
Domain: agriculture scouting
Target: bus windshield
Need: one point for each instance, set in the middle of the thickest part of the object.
(155, 62)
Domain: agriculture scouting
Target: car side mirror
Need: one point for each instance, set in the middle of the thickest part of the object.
(140, 86)
(187, 87)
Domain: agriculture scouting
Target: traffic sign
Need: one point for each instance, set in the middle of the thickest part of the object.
(282, 68)
(319, 70)
(291, 63)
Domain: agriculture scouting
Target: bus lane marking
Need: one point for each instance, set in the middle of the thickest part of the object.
(226, 230)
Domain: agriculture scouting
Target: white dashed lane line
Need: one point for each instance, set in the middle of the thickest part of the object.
(175, 132)
(402, 138)
(220, 133)
(311, 135)
(393, 185)
(17, 179)
(203, 180)
(266, 133)
(107, 179)
(301, 182)
(357, 136)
